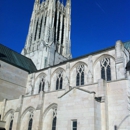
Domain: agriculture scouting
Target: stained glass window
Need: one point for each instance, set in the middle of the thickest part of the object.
(105, 69)
(80, 75)
(59, 81)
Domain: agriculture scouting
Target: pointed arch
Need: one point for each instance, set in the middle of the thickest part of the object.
(48, 115)
(104, 68)
(26, 110)
(57, 70)
(8, 112)
(77, 64)
(39, 84)
(54, 105)
(103, 56)
(79, 71)
(41, 75)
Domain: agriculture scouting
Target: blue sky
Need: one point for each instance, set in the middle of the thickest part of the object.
(96, 24)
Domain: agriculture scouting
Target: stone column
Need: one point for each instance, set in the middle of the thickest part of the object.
(102, 94)
(18, 113)
(90, 70)
(120, 69)
(3, 109)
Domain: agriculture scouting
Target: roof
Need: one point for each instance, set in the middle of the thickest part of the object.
(127, 45)
(128, 66)
(78, 58)
(16, 59)
(90, 92)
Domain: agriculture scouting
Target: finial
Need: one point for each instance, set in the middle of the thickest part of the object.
(68, 2)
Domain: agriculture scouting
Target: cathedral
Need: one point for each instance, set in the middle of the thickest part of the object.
(44, 88)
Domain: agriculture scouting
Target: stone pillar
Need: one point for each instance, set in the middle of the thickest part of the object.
(18, 113)
(39, 111)
(3, 109)
(90, 70)
(67, 78)
(102, 93)
(120, 69)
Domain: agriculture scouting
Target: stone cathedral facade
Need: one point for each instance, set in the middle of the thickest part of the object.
(45, 89)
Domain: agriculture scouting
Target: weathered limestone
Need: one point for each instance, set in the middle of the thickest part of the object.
(93, 90)
(48, 40)
(12, 78)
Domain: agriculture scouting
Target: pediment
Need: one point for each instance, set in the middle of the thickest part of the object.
(75, 90)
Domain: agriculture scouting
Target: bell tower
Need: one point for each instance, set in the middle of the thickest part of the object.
(48, 40)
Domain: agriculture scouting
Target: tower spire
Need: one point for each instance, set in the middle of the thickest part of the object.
(37, 1)
(68, 2)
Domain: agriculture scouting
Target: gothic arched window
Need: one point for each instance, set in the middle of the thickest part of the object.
(59, 81)
(105, 69)
(11, 122)
(41, 85)
(55, 25)
(30, 121)
(62, 37)
(30, 124)
(36, 31)
(11, 125)
(54, 119)
(80, 75)
(40, 28)
(58, 31)
(54, 124)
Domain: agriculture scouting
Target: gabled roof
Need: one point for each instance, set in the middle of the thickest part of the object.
(16, 59)
(92, 92)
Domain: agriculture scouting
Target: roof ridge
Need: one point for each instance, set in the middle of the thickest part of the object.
(15, 51)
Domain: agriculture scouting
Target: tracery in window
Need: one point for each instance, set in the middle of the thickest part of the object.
(59, 81)
(54, 119)
(30, 121)
(105, 69)
(41, 85)
(80, 75)
(11, 122)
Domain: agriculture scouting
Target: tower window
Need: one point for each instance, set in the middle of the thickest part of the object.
(74, 125)
(36, 31)
(80, 75)
(59, 82)
(40, 28)
(105, 69)
(41, 85)
(62, 37)
(58, 35)
(55, 24)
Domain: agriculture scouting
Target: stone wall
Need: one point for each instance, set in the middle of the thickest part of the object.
(12, 81)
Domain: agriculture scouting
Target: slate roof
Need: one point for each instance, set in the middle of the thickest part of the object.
(128, 66)
(16, 59)
(127, 45)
